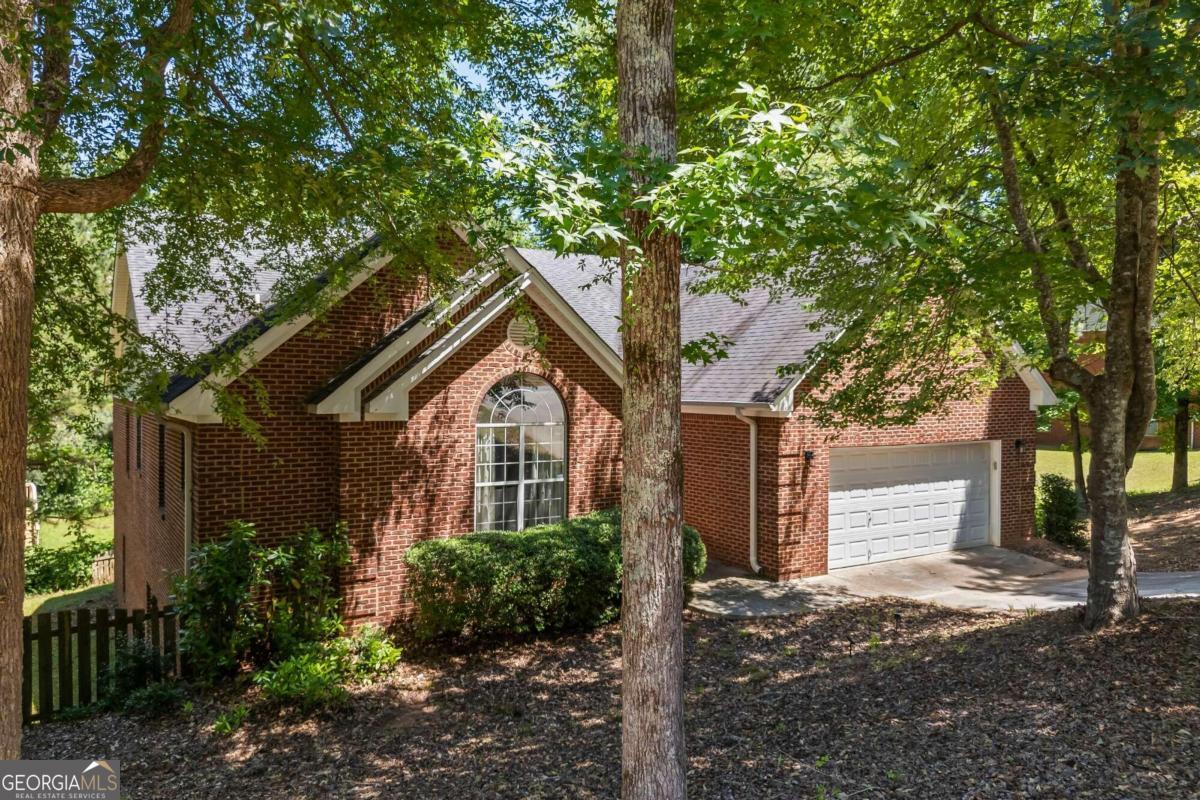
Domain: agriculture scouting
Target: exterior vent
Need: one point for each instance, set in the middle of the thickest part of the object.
(522, 332)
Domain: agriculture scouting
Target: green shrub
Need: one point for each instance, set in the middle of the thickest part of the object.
(552, 577)
(135, 680)
(1058, 510)
(134, 665)
(221, 621)
(310, 679)
(372, 653)
(244, 603)
(315, 676)
(228, 722)
(305, 606)
(154, 700)
(61, 569)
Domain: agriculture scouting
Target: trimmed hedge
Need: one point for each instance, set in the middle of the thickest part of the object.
(553, 577)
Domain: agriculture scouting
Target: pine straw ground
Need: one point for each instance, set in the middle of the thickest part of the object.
(1166, 531)
(878, 699)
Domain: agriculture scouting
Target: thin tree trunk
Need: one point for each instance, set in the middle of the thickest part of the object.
(1179, 472)
(653, 760)
(1077, 457)
(18, 216)
(1112, 574)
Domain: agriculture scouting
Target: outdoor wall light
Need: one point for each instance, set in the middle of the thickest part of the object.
(809, 455)
(1019, 445)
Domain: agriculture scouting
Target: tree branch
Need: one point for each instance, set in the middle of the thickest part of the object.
(58, 17)
(326, 95)
(995, 30)
(907, 55)
(1062, 219)
(1058, 336)
(102, 192)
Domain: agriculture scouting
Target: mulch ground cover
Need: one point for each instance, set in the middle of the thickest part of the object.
(878, 699)
(1165, 529)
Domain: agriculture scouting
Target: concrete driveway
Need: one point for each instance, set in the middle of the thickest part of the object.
(983, 578)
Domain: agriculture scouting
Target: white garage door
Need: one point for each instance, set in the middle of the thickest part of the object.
(893, 502)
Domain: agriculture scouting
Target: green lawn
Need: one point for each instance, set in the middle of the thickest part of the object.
(56, 532)
(61, 601)
(1151, 468)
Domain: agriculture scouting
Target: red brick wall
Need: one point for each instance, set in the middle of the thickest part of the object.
(793, 494)
(402, 482)
(794, 535)
(396, 483)
(716, 489)
(149, 540)
(289, 481)
(392, 483)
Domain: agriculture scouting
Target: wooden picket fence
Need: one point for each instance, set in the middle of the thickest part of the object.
(103, 569)
(66, 655)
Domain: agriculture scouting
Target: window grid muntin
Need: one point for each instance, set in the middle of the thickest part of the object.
(538, 500)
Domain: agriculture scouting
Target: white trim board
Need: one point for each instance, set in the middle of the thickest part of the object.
(1040, 393)
(197, 403)
(346, 400)
(393, 402)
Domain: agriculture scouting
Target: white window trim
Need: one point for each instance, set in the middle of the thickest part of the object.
(521, 481)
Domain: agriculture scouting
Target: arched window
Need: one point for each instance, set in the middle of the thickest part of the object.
(520, 456)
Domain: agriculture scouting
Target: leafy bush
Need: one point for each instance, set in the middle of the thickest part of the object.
(218, 608)
(552, 577)
(305, 603)
(134, 681)
(310, 679)
(154, 700)
(135, 664)
(1058, 512)
(315, 676)
(60, 569)
(244, 603)
(227, 722)
(372, 653)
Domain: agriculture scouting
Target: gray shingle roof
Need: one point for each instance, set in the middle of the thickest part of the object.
(204, 321)
(766, 333)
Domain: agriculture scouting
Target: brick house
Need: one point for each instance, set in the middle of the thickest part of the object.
(408, 419)
(1058, 432)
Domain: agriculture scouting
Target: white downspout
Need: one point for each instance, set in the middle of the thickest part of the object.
(754, 565)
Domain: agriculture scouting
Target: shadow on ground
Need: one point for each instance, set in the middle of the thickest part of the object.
(884, 698)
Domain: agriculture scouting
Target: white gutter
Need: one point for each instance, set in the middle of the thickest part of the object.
(753, 423)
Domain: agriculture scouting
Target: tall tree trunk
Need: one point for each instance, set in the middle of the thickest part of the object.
(653, 760)
(1112, 573)
(1179, 471)
(1077, 456)
(18, 216)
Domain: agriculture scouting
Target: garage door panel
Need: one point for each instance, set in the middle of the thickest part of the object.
(897, 502)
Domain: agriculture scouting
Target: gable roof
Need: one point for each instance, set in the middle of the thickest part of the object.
(766, 334)
(580, 292)
(390, 402)
(204, 323)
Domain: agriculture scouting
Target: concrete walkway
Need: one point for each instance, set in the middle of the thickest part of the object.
(985, 578)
